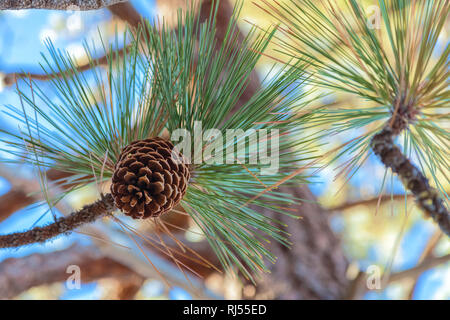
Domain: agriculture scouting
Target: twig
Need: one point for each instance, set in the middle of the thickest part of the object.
(63, 225)
(428, 264)
(427, 198)
(19, 197)
(81, 5)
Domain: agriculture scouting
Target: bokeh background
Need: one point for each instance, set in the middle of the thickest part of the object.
(388, 233)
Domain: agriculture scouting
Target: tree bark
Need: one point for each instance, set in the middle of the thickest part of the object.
(61, 226)
(315, 266)
(427, 198)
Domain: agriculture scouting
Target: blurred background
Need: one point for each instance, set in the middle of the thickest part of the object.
(361, 239)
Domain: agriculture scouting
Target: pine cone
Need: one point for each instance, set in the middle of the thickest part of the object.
(147, 181)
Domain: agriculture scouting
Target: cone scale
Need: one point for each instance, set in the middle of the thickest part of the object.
(149, 178)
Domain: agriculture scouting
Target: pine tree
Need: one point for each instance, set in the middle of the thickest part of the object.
(104, 126)
(112, 127)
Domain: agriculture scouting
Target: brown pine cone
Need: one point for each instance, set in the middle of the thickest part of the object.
(147, 181)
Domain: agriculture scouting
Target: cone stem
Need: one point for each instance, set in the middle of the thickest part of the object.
(63, 225)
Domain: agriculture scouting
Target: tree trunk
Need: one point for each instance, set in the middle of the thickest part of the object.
(315, 266)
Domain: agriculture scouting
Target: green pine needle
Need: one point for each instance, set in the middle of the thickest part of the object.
(162, 81)
(402, 60)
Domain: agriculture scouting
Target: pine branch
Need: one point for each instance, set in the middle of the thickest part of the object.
(412, 178)
(426, 265)
(81, 5)
(63, 225)
(88, 138)
(124, 11)
(359, 284)
(18, 198)
(10, 78)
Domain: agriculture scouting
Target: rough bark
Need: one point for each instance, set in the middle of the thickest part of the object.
(81, 5)
(315, 266)
(427, 198)
(10, 78)
(126, 12)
